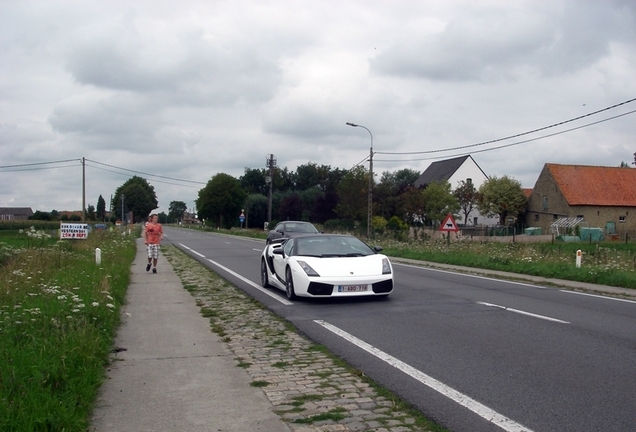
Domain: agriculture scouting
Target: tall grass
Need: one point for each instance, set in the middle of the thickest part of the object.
(59, 312)
(611, 264)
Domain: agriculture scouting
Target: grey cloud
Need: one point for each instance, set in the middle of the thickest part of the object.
(491, 45)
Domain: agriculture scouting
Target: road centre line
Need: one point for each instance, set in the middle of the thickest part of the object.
(244, 279)
(524, 313)
(467, 402)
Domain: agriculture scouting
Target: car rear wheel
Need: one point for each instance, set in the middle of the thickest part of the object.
(289, 285)
(264, 276)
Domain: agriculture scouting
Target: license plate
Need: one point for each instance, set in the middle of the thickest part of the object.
(352, 288)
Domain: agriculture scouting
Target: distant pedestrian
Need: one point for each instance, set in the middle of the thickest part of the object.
(153, 234)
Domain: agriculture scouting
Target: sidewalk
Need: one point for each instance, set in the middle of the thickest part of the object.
(171, 373)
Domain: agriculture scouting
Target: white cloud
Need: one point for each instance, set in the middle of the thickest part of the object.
(189, 89)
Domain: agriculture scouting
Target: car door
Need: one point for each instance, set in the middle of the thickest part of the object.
(280, 260)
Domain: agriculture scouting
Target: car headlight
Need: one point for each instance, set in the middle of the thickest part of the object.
(307, 268)
(386, 267)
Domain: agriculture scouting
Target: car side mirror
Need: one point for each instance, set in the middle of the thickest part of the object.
(278, 251)
(378, 248)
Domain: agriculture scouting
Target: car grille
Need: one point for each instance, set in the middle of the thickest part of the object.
(316, 288)
(383, 287)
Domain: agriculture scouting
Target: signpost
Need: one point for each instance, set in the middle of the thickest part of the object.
(73, 231)
(448, 226)
(242, 218)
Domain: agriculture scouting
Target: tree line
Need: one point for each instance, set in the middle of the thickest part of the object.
(332, 197)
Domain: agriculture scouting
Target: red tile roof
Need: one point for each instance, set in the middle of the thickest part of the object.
(596, 185)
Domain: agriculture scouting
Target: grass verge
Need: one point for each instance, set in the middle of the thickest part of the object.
(59, 312)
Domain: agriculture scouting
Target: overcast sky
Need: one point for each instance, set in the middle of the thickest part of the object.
(188, 89)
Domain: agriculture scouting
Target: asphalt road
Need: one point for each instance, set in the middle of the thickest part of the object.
(472, 353)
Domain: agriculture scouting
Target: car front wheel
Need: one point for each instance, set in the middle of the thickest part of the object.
(289, 285)
(264, 277)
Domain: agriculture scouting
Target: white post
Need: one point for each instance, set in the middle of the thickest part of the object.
(98, 256)
(578, 258)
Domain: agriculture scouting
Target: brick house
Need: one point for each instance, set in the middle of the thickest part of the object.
(15, 213)
(603, 196)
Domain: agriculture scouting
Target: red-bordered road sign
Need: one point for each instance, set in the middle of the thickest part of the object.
(449, 224)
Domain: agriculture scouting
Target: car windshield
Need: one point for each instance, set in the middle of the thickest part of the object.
(332, 246)
(303, 228)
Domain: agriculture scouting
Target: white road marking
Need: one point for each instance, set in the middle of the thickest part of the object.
(598, 296)
(469, 275)
(467, 402)
(524, 312)
(247, 281)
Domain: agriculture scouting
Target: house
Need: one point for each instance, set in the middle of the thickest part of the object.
(602, 196)
(454, 171)
(15, 213)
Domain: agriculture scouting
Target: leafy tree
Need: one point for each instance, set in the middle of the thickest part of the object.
(412, 205)
(40, 215)
(467, 197)
(90, 212)
(55, 215)
(501, 197)
(439, 201)
(253, 181)
(291, 208)
(255, 210)
(221, 200)
(176, 209)
(162, 218)
(100, 213)
(352, 195)
(386, 195)
(139, 197)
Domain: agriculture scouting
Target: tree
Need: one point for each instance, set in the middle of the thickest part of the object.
(291, 208)
(439, 201)
(221, 200)
(139, 197)
(90, 212)
(501, 197)
(100, 213)
(256, 210)
(253, 181)
(176, 209)
(352, 195)
(40, 215)
(387, 194)
(412, 205)
(467, 197)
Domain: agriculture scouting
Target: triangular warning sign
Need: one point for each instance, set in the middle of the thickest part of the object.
(449, 224)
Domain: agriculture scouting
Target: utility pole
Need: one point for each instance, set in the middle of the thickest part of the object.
(123, 218)
(83, 189)
(271, 164)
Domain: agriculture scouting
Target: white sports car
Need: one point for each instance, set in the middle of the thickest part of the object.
(326, 265)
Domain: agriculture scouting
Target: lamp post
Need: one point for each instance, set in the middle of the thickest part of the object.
(370, 203)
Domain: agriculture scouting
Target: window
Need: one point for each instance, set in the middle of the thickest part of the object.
(536, 217)
(555, 217)
(621, 218)
(545, 202)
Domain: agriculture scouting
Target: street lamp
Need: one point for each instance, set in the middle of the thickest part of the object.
(370, 203)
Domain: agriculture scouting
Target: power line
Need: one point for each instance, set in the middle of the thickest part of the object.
(520, 134)
(155, 181)
(512, 144)
(40, 163)
(146, 174)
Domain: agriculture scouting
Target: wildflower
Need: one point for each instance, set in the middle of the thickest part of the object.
(95, 304)
(109, 305)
